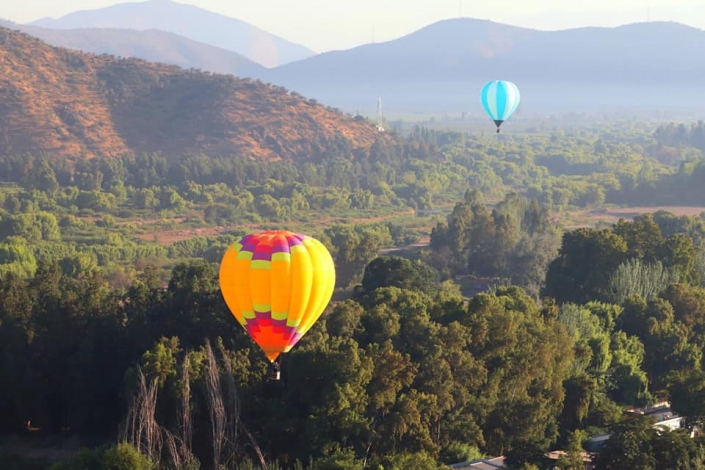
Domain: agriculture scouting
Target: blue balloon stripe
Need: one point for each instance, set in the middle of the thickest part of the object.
(500, 99)
(489, 107)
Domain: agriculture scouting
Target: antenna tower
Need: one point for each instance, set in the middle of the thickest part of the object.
(380, 128)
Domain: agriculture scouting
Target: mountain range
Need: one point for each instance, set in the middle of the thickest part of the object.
(190, 21)
(444, 65)
(152, 45)
(63, 102)
(439, 68)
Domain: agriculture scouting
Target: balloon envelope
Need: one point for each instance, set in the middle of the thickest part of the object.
(500, 99)
(277, 284)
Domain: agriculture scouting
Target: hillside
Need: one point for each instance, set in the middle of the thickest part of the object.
(444, 65)
(190, 21)
(150, 45)
(70, 103)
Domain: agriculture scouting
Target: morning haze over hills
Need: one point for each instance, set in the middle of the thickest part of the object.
(438, 68)
(190, 21)
(444, 65)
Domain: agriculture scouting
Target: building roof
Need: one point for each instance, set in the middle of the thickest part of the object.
(557, 454)
(480, 464)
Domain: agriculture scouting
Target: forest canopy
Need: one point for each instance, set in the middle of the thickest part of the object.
(412, 364)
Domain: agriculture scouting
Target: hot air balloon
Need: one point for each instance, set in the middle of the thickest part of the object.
(500, 99)
(276, 284)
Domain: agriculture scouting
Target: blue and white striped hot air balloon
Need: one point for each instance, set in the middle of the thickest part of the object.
(500, 99)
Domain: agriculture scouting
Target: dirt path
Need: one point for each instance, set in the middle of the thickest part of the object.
(422, 243)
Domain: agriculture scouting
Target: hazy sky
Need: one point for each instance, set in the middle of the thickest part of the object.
(339, 24)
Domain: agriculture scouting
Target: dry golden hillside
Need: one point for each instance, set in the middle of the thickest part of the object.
(63, 102)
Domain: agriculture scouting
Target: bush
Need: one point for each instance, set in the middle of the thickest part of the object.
(125, 457)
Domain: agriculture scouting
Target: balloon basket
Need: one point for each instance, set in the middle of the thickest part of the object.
(274, 372)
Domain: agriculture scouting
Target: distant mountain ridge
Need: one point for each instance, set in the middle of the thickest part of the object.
(151, 45)
(62, 102)
(443, 66)
(190, 21)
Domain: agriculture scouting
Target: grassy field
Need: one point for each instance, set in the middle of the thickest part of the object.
(606, 216)
(169, 231)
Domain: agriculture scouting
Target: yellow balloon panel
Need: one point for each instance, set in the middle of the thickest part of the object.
(277, 284)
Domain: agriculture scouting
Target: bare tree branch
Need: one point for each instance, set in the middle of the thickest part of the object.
(216, 407)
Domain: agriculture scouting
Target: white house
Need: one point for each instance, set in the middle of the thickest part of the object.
(661, 414)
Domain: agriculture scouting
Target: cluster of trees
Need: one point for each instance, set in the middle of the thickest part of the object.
(406, 372)
(515, 241)
(27, 238)
(97, 203)
(683, 187)
(680, 135)
(423, 170)
(642, 256)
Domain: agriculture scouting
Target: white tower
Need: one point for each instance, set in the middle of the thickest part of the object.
(380, 128)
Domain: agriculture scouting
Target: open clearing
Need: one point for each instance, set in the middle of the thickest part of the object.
(168, 237)
(611, 215)
(568, 219)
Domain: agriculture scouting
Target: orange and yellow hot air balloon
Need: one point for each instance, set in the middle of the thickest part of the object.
(276, 284)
